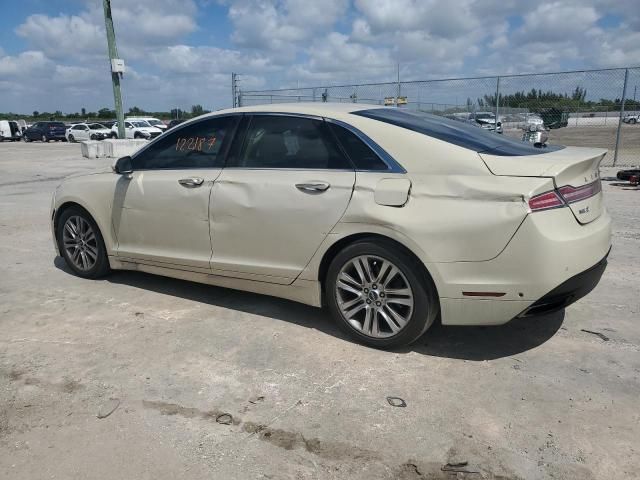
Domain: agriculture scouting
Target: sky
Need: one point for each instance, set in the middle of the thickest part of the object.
(53, 53)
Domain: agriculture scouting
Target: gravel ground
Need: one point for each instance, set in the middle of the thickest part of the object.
(130, 377)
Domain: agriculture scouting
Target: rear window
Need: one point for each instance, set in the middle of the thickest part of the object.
(57, 124)
(455, 132)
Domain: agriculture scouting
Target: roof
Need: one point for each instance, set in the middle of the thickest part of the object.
(308, 108)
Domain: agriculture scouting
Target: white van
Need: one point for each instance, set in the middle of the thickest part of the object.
(10, 130)
(154, 122)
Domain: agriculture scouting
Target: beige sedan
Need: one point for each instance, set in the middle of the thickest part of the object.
(391, 219)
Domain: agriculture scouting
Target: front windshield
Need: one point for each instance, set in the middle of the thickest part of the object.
(140, 123)
(154, 122)
(96, 126)
(484, 115)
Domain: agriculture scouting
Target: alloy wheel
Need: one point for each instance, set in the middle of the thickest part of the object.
(80, 243)
(374, 296)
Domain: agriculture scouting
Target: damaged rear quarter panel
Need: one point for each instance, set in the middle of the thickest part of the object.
(452, 218)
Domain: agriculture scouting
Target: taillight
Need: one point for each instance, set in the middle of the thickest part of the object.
(545, 201)
(564, 196)
(573, 194)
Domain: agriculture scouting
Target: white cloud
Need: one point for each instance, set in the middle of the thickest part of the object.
(61, 35)
(275, 43)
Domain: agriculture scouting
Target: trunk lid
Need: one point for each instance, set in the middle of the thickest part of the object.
(570, 168)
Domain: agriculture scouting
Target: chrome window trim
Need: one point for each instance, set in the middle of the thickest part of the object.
(392, 165)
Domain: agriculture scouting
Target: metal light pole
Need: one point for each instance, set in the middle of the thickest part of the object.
(624, 96)
(115, 73)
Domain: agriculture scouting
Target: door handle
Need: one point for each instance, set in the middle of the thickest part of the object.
(191, 182)
(315, 187)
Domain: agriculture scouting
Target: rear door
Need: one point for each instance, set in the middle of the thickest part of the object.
(161, 210)
(284, 188)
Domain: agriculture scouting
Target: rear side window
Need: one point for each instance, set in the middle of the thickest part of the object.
(455, 132)
(358, 152)
(274, 141)
(56, 124)
(197, 145)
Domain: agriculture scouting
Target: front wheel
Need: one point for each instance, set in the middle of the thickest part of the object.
(81, 244)
(114, 135)
(632, 121)
(44, 139)
(71, 138)
(377, 294)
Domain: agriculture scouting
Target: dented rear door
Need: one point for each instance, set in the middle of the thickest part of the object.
(277, 199)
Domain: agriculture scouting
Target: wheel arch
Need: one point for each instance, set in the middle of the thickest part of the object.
(72, 203)
(343, 242)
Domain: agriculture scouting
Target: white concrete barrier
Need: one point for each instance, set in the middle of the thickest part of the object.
(110, 148)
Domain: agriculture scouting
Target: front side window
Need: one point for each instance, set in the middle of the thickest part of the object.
(198, 145)
(274, 141)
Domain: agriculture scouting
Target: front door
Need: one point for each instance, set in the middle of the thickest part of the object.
(282, 192)
(161, 210)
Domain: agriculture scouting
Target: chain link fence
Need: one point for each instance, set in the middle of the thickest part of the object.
(582, 108)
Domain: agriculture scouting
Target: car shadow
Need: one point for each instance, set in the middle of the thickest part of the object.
(456, 342)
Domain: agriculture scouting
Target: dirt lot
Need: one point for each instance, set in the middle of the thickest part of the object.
(538, 398)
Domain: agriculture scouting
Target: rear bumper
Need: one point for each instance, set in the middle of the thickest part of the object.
(550, 262)
(569, 291)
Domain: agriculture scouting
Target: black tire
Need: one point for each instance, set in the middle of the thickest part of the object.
(93, 137)
(44, 138)
(425, 299)
(26, 139)
(101, 266)
(71, 138)
(114, 136)
(137, 135)
(632, 121)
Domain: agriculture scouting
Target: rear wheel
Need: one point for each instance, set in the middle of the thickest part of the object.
(378, 295)
(81, 244)
(633, 120)
(114, 135)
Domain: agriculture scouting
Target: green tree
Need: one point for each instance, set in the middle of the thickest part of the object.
(106, 113)
(197, 110)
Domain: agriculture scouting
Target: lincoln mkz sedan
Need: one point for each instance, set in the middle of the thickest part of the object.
(390, 219)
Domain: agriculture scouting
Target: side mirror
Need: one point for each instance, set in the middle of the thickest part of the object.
(123, 166)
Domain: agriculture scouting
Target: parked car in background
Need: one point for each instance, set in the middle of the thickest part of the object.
(46, 131)
(87, 131)
(136, 129)
(487, 121)
(108, 123)
(632, 118)
(154, 122)
(10, 130)
(173, 123)
(328, 204)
